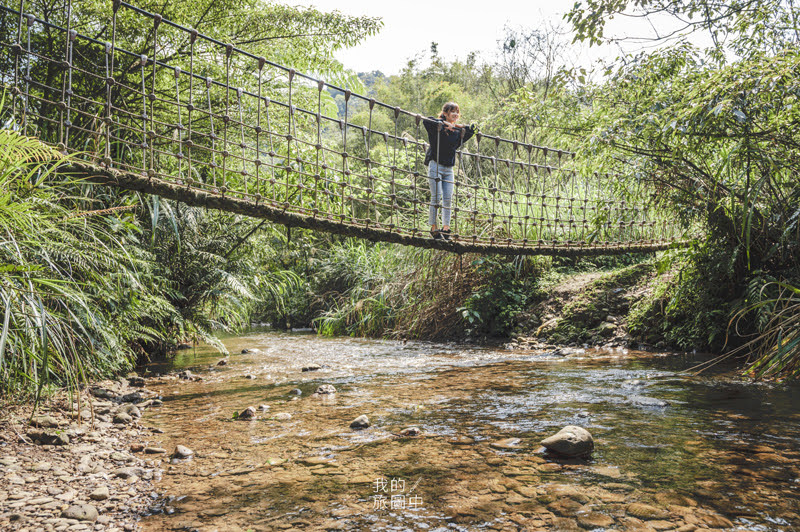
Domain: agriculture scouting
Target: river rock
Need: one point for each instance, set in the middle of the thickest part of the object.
(283, 416)
(128, 472)
(250, 351)
(570, 441)
(248, 413)
(652, 402)
(594, 520)
(49, 438)
(103, 393)
(130, 409)
(263, 408)
(136, 381)
(100, 494)
(122, 418)
(296, 391)
(133, 397)
(645, 511)
(312, 367)
(41, 466)
(154, 450)
(508, 444)
(566, 507)
(325, 389)
(410, 432)
(182, 452)
(44, 422)
(606, 329)
(361, 422)
(81, 512)
(222, 362)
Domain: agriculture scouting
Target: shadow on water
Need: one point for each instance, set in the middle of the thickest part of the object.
(672, 449)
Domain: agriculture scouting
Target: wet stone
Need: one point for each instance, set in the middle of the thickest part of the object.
(410, 432)
(508, 444)
(594, 520)
(361, 422)
(248, 413)
(716, 521)
(663, 525)
(570, 441)
(154, 450)
(565, 507)
(647, 402)
(572, 492)
(325, 389)
(645, 511)
(182, 452)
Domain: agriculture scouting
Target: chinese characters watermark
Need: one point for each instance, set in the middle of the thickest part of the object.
(391, 494)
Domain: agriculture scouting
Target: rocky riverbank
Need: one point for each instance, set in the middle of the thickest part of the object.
(79, 465)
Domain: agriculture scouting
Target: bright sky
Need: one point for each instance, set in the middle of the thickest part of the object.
(409, 27)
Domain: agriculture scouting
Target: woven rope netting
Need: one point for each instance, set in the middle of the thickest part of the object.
(194, 117)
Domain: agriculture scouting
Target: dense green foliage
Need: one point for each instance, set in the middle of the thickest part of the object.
(95, 279)
(77, 300)
(86, 290)
(716, 131)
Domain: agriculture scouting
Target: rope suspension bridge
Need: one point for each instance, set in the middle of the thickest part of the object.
(269, 142)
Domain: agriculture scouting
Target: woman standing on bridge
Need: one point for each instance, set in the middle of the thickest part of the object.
(445, 136)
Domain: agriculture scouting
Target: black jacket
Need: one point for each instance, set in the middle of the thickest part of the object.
(444, 143)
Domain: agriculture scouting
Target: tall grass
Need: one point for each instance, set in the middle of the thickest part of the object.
(401, 292)
(775, 351)
(61, 274)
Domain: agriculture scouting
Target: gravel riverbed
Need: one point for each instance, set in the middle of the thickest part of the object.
(79, 464)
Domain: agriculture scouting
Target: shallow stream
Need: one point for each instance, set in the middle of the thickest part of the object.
(673, 451)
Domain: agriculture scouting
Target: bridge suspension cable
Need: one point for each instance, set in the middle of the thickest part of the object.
(192, 118)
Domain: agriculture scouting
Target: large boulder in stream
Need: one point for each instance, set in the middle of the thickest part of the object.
(570, 441)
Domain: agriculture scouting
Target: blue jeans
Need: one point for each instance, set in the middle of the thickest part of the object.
(441, 180)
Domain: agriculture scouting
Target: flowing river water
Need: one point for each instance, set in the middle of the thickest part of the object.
(673, 451)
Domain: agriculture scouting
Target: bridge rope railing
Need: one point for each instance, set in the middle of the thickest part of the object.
(193, 118)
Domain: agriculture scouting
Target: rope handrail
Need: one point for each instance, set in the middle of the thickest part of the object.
(209, 122)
